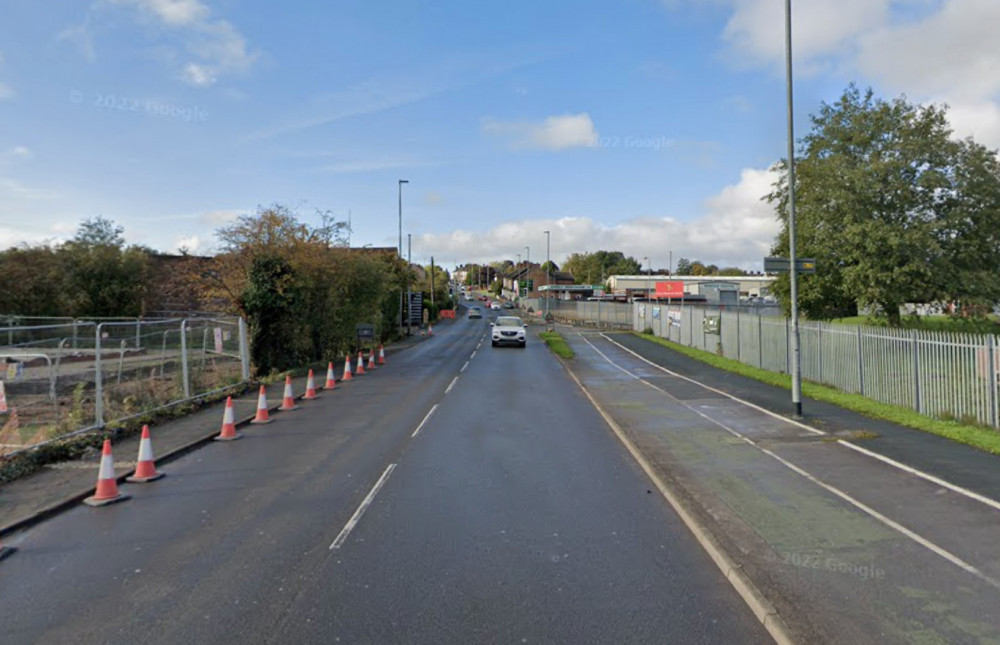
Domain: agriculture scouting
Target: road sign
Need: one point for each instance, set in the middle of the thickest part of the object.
(782, 265)
(366, 332)
(416, 308)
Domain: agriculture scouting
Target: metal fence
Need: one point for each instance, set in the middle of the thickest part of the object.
(942, 374)
(74, 376)
(604, 315)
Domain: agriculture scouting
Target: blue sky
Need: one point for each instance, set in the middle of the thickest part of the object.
(645, 126)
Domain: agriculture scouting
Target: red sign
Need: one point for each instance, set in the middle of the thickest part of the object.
(447, 313)
(672, 289)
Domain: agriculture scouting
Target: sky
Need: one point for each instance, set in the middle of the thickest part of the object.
(643, 126)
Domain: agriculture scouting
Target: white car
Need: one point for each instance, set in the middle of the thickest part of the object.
(509, 330)
(495, 306)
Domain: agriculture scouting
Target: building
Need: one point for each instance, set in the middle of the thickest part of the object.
(704, 288)
(534, 278)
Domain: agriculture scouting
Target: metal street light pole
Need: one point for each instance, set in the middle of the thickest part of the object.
(648, 274)
(548, 272)
(527, 270)
(793, 274)
(409, 297)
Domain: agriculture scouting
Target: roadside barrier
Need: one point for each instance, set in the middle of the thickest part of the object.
(310, 387)
(288, 401)
(145, 469)
(331, 381)
(262, 416)
(228, 432)
(107, 488)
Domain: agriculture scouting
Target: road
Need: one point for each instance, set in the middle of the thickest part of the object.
(500, 508)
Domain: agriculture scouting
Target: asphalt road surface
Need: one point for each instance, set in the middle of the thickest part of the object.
(497, 508)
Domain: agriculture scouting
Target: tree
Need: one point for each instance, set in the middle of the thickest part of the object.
(104, 277)
(549, 266)
(594, 268)
(893, 209)
(684, 267)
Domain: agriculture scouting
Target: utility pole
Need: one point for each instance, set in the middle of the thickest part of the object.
(548, 273)
(432, 279)
(793, 274)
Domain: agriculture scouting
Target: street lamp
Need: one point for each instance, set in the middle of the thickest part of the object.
(793, 274)
(649, 274)
(548, 272)
(527, 269)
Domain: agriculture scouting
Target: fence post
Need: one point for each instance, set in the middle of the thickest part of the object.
(98, 384)
(861, 364)
(760, 340)
(75, 332)
(917, 404)
(819, 349)
(244, 350)
(788, 358)
(138, 332)
(991, 346)
(738, 335)
(184, 360)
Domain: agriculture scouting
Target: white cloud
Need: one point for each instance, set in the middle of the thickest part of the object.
(219, 218)
(177, 13)
(191, 243)
(554, 133)
(6, 92)
(735, 228)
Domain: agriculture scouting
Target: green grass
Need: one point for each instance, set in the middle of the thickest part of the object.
(989, 325)
(983, 438)
(556, 343)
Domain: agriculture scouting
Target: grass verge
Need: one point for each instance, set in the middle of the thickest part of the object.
(981, 437)
(556, 343)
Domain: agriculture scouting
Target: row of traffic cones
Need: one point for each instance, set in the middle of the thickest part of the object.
(145, 470)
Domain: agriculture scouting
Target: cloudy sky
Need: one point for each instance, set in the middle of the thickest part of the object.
(645, 126)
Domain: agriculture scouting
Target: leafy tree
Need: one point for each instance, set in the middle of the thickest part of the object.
(893, 209)
(549, 266)
(103, 276)
(594, 268)
(684, 267)
(34, 282)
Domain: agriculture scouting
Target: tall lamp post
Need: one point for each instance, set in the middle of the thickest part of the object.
(401, 182)
(527, 270)
(793, 274)
(409, 297)
(649, 276)
(548, 272)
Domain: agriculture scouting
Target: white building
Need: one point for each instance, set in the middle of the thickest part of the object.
(746, 286)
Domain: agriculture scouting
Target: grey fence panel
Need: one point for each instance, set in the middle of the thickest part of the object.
(730, 334)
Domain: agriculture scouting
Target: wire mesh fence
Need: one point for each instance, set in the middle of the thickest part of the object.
(74, 376)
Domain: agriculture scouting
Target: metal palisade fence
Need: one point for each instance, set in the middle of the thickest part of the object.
(70, 376)
(942, 374)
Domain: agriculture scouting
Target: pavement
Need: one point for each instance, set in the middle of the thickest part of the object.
(846, 546)
(460, 494)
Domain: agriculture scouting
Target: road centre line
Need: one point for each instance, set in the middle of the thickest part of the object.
(351, 523)
(453, 381)
(924, 542)
(463, 367)
(424, 421)
(473, 355)
(874, 455)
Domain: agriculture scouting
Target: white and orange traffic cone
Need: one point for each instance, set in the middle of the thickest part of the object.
(262, 416)
(381, 354)
(288, 400)
(331, 382)
(430, 329)
(228, 432)
(310, 387)
(371, 360)
(107, 486)
(361, 364)
(347, 369)
(145, 469)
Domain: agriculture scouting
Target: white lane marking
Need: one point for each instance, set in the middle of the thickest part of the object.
(453, 381)
(922, 541)
(463, 367)
(612, 363)
(351, 523)
(424, 421)
(908, 469)
(473, 355)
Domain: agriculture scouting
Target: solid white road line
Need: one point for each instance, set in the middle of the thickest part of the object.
(424, 421)
(610, 362)
(453, 381)
(463, 367)
(847, 444)
(351, 523)
(922, 541)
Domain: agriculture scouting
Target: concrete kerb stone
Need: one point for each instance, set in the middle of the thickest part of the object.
(76, 498)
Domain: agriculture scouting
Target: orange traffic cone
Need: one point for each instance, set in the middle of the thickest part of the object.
(430, 329)
(371, 360)
(229, 423)
(331, 382)
(347, 369)
(145, 469)
(361, 364)
(262, 416)
(107, 487)
(288, 401)
(381, 355)
(310, 387)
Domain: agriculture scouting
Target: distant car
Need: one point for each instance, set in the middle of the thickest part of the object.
(508, 305)
(509, 330)
(495, 306)
(475, 312)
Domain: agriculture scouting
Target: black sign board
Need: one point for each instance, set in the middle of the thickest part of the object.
(366, 332)
(416, 308)
(783, 265)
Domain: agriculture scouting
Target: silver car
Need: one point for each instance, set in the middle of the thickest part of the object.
(509, 330)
